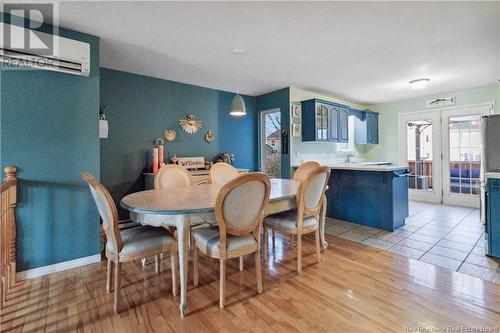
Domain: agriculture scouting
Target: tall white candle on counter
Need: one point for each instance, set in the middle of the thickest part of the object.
(155, 160)
(160, 156)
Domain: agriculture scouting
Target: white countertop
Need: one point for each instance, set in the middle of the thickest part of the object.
(492, 174)
(363, 166)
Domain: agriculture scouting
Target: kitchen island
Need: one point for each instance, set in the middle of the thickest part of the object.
(368, 194)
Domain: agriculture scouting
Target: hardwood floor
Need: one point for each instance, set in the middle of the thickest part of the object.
(354, 288)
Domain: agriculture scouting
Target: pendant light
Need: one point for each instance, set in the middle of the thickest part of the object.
(238, 104)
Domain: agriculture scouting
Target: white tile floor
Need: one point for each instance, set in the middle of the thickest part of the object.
(446, 236)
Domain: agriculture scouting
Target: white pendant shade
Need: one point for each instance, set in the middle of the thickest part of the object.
(238, 106)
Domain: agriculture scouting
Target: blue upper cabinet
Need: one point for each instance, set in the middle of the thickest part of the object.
(367, 128)
(344, 124)
(334, 123)
(324, 121)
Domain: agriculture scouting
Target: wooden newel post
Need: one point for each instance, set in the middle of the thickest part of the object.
(8, 233)
(10, 172)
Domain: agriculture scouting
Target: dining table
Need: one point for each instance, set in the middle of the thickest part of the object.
(190, 206)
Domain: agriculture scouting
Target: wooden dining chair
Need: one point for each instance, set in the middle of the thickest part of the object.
(306, 218)
(221, 173)
(173, 175)
(131, 244)
(304, 169)
(239, 209)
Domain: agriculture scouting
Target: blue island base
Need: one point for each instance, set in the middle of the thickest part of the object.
(377, 199)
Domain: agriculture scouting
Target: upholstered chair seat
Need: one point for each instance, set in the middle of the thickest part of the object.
(209, 241)
(239, 211)
(305, 219)
(288, 221)
(130, 244)
(142, 239)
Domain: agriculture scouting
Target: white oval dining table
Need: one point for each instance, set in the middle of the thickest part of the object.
(184, 207)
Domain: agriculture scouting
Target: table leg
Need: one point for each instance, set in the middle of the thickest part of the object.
(183, 230)
(322, 220)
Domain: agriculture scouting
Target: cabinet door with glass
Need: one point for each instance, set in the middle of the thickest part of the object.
(315, 120)
(322, 122)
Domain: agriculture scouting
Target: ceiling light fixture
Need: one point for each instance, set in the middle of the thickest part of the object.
(238, 104)
(419, 83)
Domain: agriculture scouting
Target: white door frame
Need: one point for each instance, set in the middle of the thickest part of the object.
(421, 195)
(449, 197)
(262, 135)
(438, 150)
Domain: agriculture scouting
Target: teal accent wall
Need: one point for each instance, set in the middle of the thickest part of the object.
(387, 149)
(279, 99)
(141, 108)
(49, 130)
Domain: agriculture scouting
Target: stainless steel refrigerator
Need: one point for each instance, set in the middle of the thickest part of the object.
(490, 173)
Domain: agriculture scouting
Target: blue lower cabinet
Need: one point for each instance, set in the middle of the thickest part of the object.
(493, 217)
(376, 199)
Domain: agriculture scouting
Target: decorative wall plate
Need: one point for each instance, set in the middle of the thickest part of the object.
(209, 137)
(190, 124)
(170, 134)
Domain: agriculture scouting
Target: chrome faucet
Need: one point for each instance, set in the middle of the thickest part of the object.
(348, 158)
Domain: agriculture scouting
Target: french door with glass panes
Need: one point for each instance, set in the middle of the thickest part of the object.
(420, 149)
(461, 142)
(442, 149)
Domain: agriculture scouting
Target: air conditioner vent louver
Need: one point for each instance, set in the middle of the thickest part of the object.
(69, 56)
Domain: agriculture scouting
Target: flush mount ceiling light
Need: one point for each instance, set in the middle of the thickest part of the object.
(419, 83)
(238, 104)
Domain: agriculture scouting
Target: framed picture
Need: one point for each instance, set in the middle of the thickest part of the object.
(296, 129)
(440, 102)
(295, 111)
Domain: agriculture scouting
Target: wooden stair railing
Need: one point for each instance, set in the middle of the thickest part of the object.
(8, 203)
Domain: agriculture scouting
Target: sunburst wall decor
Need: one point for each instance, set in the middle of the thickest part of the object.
(190, 124)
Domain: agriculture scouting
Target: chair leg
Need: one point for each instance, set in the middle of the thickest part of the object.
(258, 272)
(157, 264)
(109, 277)
(195, 264)
(318, 249)
(173, 264)
(274, 238)
(265, 243)
(222, 295)
(241, 263)
(117, 286)
(299, 253)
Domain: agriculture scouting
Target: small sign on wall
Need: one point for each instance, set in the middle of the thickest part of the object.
(295, 111)
(296, 130)
(440, 102)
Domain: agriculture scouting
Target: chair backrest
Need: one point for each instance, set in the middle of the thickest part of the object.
(173, 175)
(221, 173)
(304, 169)
(240, 206)
(310, 193)
(107, 209)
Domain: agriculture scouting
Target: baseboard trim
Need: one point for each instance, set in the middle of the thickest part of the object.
(59, 267)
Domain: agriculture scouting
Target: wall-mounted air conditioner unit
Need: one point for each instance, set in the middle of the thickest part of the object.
(66, 55)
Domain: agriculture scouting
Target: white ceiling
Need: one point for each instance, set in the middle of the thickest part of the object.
(363, 52)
